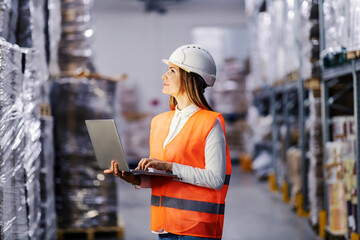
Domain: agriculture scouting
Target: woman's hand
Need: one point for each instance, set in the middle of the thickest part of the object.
(127, 176)
(145, 163)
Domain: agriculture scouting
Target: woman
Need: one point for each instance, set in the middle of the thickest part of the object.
(189, 140)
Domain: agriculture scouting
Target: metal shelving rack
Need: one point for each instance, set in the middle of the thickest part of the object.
(330, 77)
(282, 102)
(279, 104)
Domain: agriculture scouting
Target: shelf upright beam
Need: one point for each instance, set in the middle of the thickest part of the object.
(304, 163)
(356, 82)
(274, 132)
(324, 101)
(286, 104)
(325, 119)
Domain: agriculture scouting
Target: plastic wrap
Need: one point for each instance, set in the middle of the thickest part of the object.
(23, 33)
(315, 156)
(254, 80)
(263, 38)
(4, 18)
(136, 138)
(309, 40)
(13, 21)
(257, 141)
(12, 194)
(290, 44)
(54, 31)
(77, 34)
(277, 50)
(230, 95)
(38, 39)
(335, 25)
(354, 25)
(47, 185)
(84, 196)
(31, 97)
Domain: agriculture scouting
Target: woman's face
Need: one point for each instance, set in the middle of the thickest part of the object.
(171, 81)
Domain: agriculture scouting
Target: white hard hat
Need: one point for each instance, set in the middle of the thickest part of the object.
(194, 58)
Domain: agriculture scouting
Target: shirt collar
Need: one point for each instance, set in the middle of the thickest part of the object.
(186, 112)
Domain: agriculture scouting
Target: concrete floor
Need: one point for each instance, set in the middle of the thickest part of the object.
(252, 213)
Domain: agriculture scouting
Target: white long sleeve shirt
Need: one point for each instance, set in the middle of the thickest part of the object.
(213, 176)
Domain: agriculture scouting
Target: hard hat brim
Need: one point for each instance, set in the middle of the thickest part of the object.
(167, 61)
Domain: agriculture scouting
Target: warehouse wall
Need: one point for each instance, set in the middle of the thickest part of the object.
(133, 42)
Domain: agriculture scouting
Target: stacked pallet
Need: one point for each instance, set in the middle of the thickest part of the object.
(85, 197)
(25, 26)
(309, 40)
(231, 97)
(13, 218)
(315, 157)
(75, 50)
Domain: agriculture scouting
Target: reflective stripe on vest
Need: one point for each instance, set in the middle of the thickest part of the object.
(227, 180)
(189, 205)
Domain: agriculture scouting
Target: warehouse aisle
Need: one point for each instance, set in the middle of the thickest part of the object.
(252, 213)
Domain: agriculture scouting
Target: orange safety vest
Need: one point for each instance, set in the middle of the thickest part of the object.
(178, 207)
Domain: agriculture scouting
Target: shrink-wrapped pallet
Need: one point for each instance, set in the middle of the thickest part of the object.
(353, 28)
(84, 196)
(31, 97)
(336, 26)
(309, 40)
(75, 50)
(12, 192)
(47, 184)
(291, 61)
(53, 35)
(315, 156)
(23, 33)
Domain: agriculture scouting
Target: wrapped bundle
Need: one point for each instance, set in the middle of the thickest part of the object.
(309, 40)
(290, 45)
(12, 192)
(32, 149)
(54, 35)
(315, 155)
(4, 18)
(264, 35)
(230, 96)
(77, 34)
(136, 138)
(23, 33)
(37, 25)
(47, 185)
(84, 197)
(277, 50)
(354, 27)
(255, 79)
(13, 20)
(336, 28)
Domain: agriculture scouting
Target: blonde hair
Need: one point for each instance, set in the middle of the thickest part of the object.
(194, 86)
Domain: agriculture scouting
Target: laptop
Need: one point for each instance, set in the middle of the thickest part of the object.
(107, 146)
